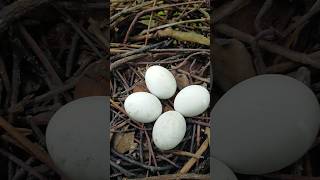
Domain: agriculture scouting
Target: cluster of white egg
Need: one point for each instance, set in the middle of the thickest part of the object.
(170, 127)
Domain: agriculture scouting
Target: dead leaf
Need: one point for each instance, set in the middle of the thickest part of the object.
(93, 83)
(167, 108)
(90, 87)
(182, 81)
(140, 87)
(185, 36)
(124, 142)
(232, 63)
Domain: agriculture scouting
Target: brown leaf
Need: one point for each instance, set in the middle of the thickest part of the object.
(233, 63)
(140, 87)
(90, 87)
(182, 81)
(124, 142)
(167, 108)
(93, 83)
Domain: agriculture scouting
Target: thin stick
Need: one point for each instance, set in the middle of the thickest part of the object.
(140, 50)
(175, 177)
(68, 85)
(79, 30)
(17, 9)
(5, 78)
(141, 146)
(151, 150)
(314, 10)
(168, 160)
(31, 147)
(179, 50)
(38, 133)
(149, 23)
(21, 164)
(173, 24)
(126, 60)
(15, 84)
(21, 172)
(198, 122)
(228, 9)
(121, 169)
(271, 47)
(70, 58)
(188, 154)
(186, 168)
(151, 168)
(150, 10)
(207, 80)
(128, 10)
(265, 7)
(43, 59)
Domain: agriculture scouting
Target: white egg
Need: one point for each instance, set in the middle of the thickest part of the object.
(192, 100)
(221, 171)
(143, 107)
(169, 130)
(264, 124)
(160, 82)
(76, 138)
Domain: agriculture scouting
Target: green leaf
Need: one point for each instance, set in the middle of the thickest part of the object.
(146, 22)
(176, 13)
(161, 13)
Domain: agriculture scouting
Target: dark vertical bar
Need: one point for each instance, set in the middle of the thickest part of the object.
(109, 91)
(211, 83)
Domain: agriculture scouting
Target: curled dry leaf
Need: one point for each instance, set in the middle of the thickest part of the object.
(90, 87)
(140, 87)
(182, 81)
(232, 63)
(167, 108)
(93, 83)
(124, 142)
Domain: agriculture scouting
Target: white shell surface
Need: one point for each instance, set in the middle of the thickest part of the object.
(221, 171)
(169, 130)
(143, 107)
(192, 100)
(76, 138)
(264, 124)
(160, 82)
